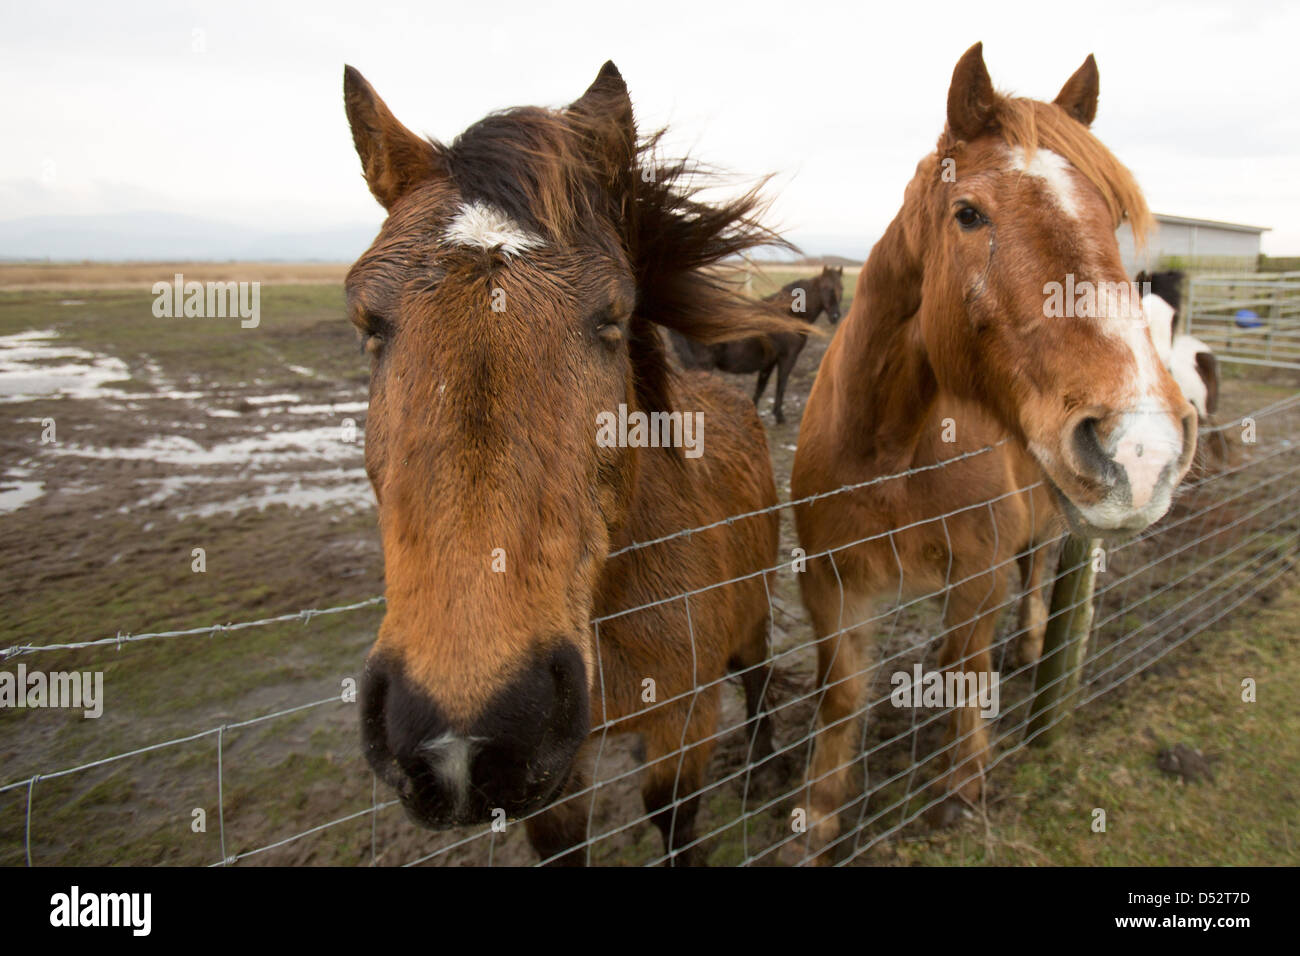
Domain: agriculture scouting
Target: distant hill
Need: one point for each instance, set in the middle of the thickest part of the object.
(168, 236)
(162, 236)
(830, 261)
(825, 250)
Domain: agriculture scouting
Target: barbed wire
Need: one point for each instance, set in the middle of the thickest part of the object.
(211, 630)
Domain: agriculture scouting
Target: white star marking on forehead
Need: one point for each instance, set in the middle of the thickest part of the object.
(1054, 171)
(486, 227)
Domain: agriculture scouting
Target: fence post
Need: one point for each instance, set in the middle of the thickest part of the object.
(1065, 644)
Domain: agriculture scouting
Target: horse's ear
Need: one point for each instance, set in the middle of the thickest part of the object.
(392, 157)
(971, 99)
(607, 96)
(606, 109)
(1078, 96)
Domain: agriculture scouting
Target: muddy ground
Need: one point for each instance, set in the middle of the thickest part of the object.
(170, 435)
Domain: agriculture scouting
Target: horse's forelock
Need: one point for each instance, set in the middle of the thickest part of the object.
(1031, 124)
(529, 163)
(566, 175)
(560, 173)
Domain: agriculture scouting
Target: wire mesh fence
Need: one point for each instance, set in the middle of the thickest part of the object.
(1233, 531)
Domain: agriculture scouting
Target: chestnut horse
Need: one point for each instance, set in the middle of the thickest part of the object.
(954, 344)
(509, 306)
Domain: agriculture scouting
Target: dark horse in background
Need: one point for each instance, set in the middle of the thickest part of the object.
(803, 298)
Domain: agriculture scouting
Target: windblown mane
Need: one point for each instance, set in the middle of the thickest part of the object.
(569, 176)
(1030, 124)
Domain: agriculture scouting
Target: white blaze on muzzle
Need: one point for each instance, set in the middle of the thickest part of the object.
(449, 757)
(1148, 441)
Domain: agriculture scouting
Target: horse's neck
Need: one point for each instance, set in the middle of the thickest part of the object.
(786, 293)
(884, 388)
(812, 300)
(816, 303)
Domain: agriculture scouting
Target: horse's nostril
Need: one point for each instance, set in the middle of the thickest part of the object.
(374, 691)
(511, 752)
(1089, 454)
(376, 700)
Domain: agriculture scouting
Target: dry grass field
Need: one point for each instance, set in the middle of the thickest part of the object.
(33, 276)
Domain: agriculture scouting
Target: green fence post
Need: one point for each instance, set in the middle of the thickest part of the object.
(1056, 681)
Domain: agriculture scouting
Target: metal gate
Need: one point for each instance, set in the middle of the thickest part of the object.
(1252, 318)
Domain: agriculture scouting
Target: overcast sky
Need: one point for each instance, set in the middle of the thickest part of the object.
(234, 110)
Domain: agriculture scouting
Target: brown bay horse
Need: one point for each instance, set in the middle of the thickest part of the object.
(511, 301)
(952, 347)
(804, 299)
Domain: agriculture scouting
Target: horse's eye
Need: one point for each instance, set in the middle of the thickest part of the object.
(611, 333)
(373, 331)
(968, 217)
(608, 326)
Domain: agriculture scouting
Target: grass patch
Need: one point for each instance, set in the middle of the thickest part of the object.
(1041, 808)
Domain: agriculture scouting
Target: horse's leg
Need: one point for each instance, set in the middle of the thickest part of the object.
(763, 375)
(840, 678)
(563, 825)
(1033, 607)
(751, 659)
(784, 367)
(973, 610)
(675, 766)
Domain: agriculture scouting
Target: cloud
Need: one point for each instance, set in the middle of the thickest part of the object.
(235, 111)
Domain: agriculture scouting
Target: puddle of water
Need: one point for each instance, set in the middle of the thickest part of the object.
(269, 447)
(347, 489)
(16, 490)
(32, 366)
(335, 408)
